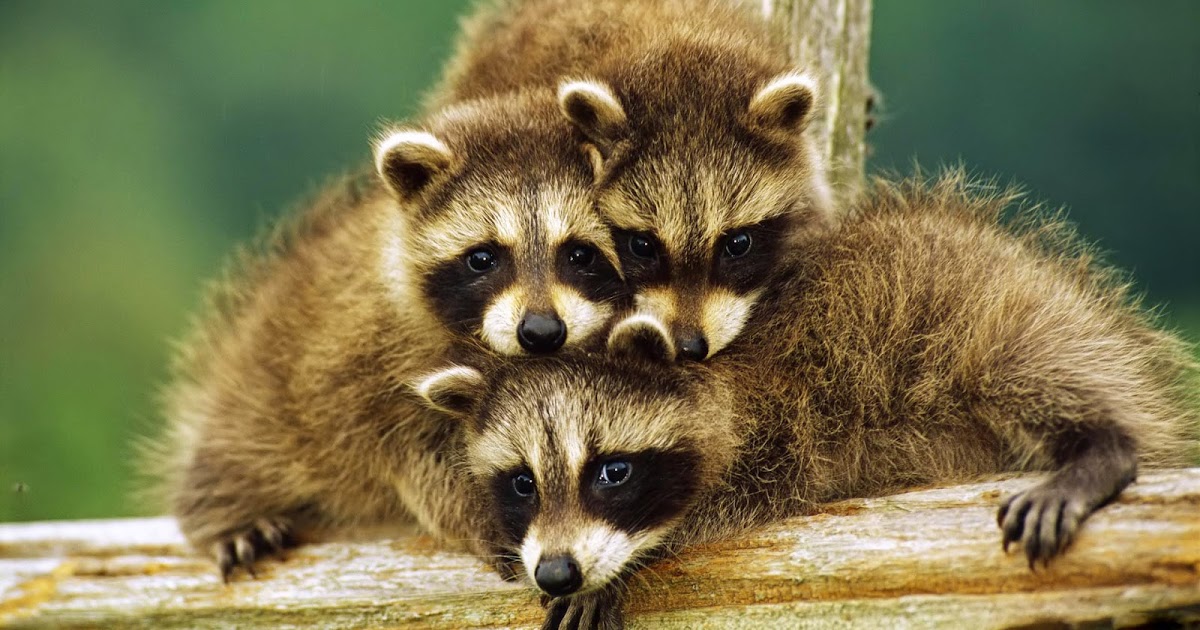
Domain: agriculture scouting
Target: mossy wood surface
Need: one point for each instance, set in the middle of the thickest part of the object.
(831, 39)
(925, 559)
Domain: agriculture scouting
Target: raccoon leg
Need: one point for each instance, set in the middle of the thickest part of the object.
(1095, 465)
(237, 517)
(597, 610)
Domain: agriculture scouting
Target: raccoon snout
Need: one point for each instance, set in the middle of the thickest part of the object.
(540, 334)
(558, 575)
(693, 346)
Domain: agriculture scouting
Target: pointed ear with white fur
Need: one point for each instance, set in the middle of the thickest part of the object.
(454, 390)
(408, 160)
(786, 103)
(642, 336)
(593, 108)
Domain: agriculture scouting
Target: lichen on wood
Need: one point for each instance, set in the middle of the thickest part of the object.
(926, 559)
(831, 39)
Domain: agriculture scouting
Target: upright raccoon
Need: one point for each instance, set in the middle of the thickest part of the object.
(496, 223)
(288, 410)
(694, 122)
(919, 343)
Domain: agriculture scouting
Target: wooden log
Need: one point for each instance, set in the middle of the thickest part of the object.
(926, 559)
(831, 38)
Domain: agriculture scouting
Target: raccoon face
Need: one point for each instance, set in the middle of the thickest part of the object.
(500, 235)
(703, 207)
(589, 463)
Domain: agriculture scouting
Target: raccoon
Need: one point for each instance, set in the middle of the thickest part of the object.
(921, 342)
(495, 223)
(288, 411)
(694, 121)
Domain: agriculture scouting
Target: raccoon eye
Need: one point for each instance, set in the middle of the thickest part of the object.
(737, 244)
(614, 473)
(641, 246)
(523, 485)
(581, 256)
(481, 260)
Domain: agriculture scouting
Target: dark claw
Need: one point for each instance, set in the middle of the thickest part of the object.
(272, 535)
(1043, 521)
(1014, 519)
(1048, 541)
(244, 545)
(224, 560)
(598, 610)
(555, 617)
(245, 548)
(1030, 534)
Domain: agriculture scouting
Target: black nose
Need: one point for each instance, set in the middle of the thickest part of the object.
(693, 346)
(558, 575)
(538, 333)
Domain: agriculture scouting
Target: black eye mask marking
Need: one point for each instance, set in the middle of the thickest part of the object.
(639, 491)
(515, 495)
(463, 286)
(642, 258)
(745, 258)
(582, 267)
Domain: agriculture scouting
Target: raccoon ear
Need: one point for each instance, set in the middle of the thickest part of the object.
(786, 103)
(594, 110)
(408, 160)
(454, 390)
(642, 336)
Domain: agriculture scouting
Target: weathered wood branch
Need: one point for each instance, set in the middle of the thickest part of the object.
(831, 38)
(924, 559)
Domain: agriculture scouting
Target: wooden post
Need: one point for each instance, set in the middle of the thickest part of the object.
(927, 559)
(832, 39)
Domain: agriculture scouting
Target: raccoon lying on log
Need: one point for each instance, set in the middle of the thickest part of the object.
(924, 341)
(289, 411)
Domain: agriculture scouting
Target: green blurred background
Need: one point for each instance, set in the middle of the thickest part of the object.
(140, 141)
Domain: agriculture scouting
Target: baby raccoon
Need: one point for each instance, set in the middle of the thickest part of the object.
(494, 226)
(288, 410)
(919, 343)
(694, 120)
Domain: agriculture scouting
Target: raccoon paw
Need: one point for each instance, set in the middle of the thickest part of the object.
(1043, 520)
(597, 610)
(267, 537)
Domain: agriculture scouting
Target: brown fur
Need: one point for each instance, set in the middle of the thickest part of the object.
(921, 342)
(289, 408)
(688, 155)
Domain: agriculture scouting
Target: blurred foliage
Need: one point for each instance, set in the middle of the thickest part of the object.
(140, 141)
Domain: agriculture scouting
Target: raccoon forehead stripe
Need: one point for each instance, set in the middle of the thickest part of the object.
(493, 453)
(763, 196)
(506, 219)
(623, 213)
(450, 237)
(555, 223)
(632, 427)
(500, 320)
(565, 214)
